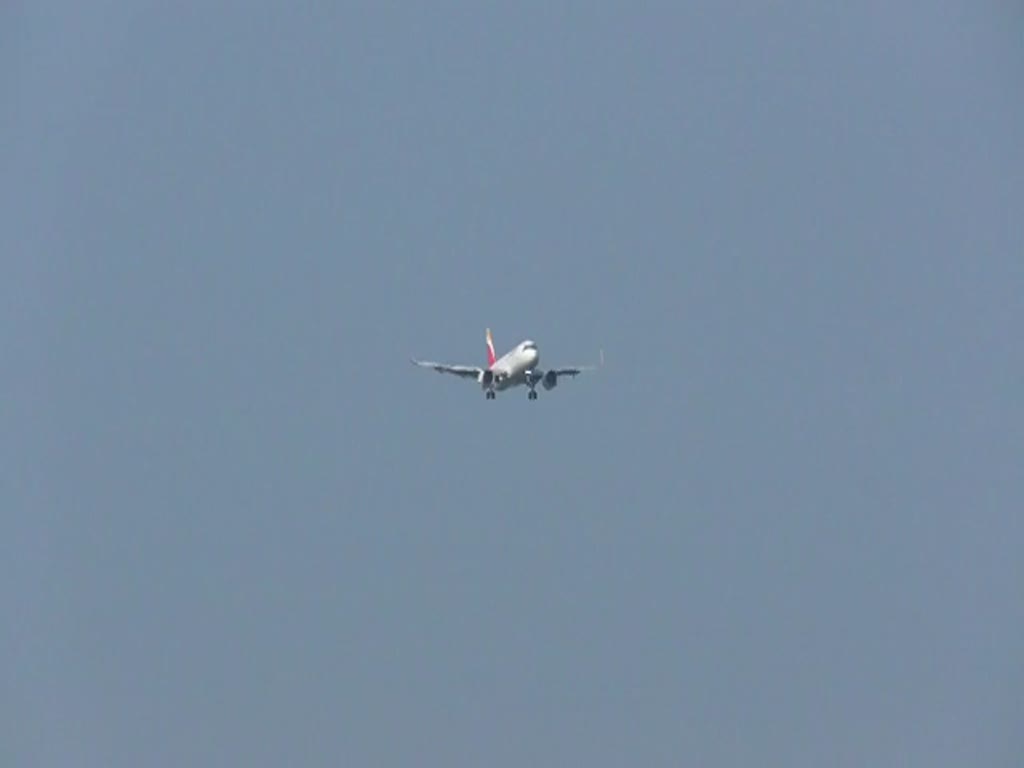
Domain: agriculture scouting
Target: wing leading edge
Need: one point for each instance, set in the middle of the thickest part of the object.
(576, 370)
(463, 371)
(537, 375)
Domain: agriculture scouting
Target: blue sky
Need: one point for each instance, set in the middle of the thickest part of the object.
(780, 526)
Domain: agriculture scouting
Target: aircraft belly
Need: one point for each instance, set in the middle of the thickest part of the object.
(510, 380)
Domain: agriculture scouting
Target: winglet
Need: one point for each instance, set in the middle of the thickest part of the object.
(491, 357)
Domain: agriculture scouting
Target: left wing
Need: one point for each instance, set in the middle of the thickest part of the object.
(551, 376)
(537, 374)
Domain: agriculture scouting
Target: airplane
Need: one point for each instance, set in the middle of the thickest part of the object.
(517, 367)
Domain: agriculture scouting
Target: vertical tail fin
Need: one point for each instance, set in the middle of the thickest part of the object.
(491, 357)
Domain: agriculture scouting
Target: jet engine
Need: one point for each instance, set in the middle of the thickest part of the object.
(550, 380)
(487, 378)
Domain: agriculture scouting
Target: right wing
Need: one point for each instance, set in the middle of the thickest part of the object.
(463, 371)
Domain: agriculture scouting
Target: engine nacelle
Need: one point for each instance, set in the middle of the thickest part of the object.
(487, 378)
(550, 380)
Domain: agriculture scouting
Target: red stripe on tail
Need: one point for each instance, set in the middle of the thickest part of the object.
(491, 357)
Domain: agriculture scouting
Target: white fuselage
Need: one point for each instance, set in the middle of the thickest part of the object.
(511, 368)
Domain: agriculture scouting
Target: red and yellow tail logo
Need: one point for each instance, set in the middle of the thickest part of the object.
(491, 357)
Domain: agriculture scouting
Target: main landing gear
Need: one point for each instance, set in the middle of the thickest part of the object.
(490, 394)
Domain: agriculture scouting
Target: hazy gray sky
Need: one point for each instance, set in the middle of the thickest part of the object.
(782, 526)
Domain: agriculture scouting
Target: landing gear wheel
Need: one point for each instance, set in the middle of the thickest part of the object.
(532, 395)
